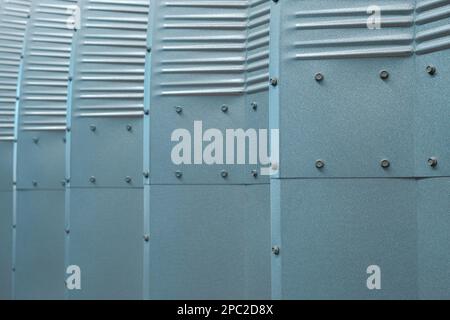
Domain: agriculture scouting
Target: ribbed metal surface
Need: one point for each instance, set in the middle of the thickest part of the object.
(13, 21)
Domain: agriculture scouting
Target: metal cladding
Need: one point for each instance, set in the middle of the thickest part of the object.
(93, 93)
(14, 16)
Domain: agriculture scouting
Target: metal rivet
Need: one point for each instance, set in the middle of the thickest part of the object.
(273, 82)
(146, 174)
(320, 164)
(224, 174)
(67, 231)
(36, 140)
(128, 180)
(146, 238)
(70, 78)
(255, 173)
(14, 226)
(146, 112)
(63, 183)
(178, 109)
(254, 106)
(149, 49)
(384, 74)
(431, 70)
(68, 129)
(224, 108)
(319, 77)
(67, 180)
(129, 128)
(93, 128)
(433, 162)
(385, 163)
(178, 174)
(276, 250)
(13, 269)
(92, 179)
(34, 183)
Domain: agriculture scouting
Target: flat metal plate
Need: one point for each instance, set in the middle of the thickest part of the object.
(6, 216)
(40, 272)
(209, 242)
(106, 242)
(332, 230)
(6, 165)
(41, 162)
(352, 119)
(433, 210)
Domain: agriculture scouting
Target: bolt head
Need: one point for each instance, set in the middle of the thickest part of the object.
(431, 70)
(384, 75)
(320, 164)
(146, 112)
(146, 238)
(254, 106)
(146, 174)
(385, 163)
(319, 77)
(224, 174)
(273, 82)
(93, 128)
(255, 173)
(92, 179)
(128, 180)
(276, 250)
(34, 183)
(178, 109)
(179, 174)
(433, 162)
(225, 108)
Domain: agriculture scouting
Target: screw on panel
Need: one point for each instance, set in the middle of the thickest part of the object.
(224, 108)
(129, 128)
(273, 82)
(319, 77)
(255, 173)
(149, 49)
(146, 174)
(63, 183)
(384, 75)
(128, 180)
(68, 129)
(224, 174)
(67, 231)
(178, 109)
(93, 128)
(70, 78)
(146, 238)
(276, 250)
(254, 106)
(385, 163)
(320, 164)
(92, 179)
(34, 183)
(431, 70)
(179, 174)
(433, 162)
(35, 140)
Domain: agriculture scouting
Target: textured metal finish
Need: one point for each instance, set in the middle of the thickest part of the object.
(208, 54)
(204, 246)
(13, 22)
(39, 248)
(378, 122)
(105, 149)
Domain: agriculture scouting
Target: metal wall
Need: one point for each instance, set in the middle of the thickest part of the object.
(13, 21)
(39, 153)
(363, 117)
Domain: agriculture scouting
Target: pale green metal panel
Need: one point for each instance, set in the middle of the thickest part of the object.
(6, 202)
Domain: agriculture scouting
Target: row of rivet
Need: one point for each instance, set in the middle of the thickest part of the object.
(432, 162)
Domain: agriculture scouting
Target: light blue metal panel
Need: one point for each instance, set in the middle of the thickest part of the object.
(39, 261)
(432, 104)
(334, 105)
(13, 22)
(108, 94)
(209, 60)
(332, 230)
(6, 166)
(106, 242)
(433, 210)
(209, 242)
(6, 203)
(43, 96)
